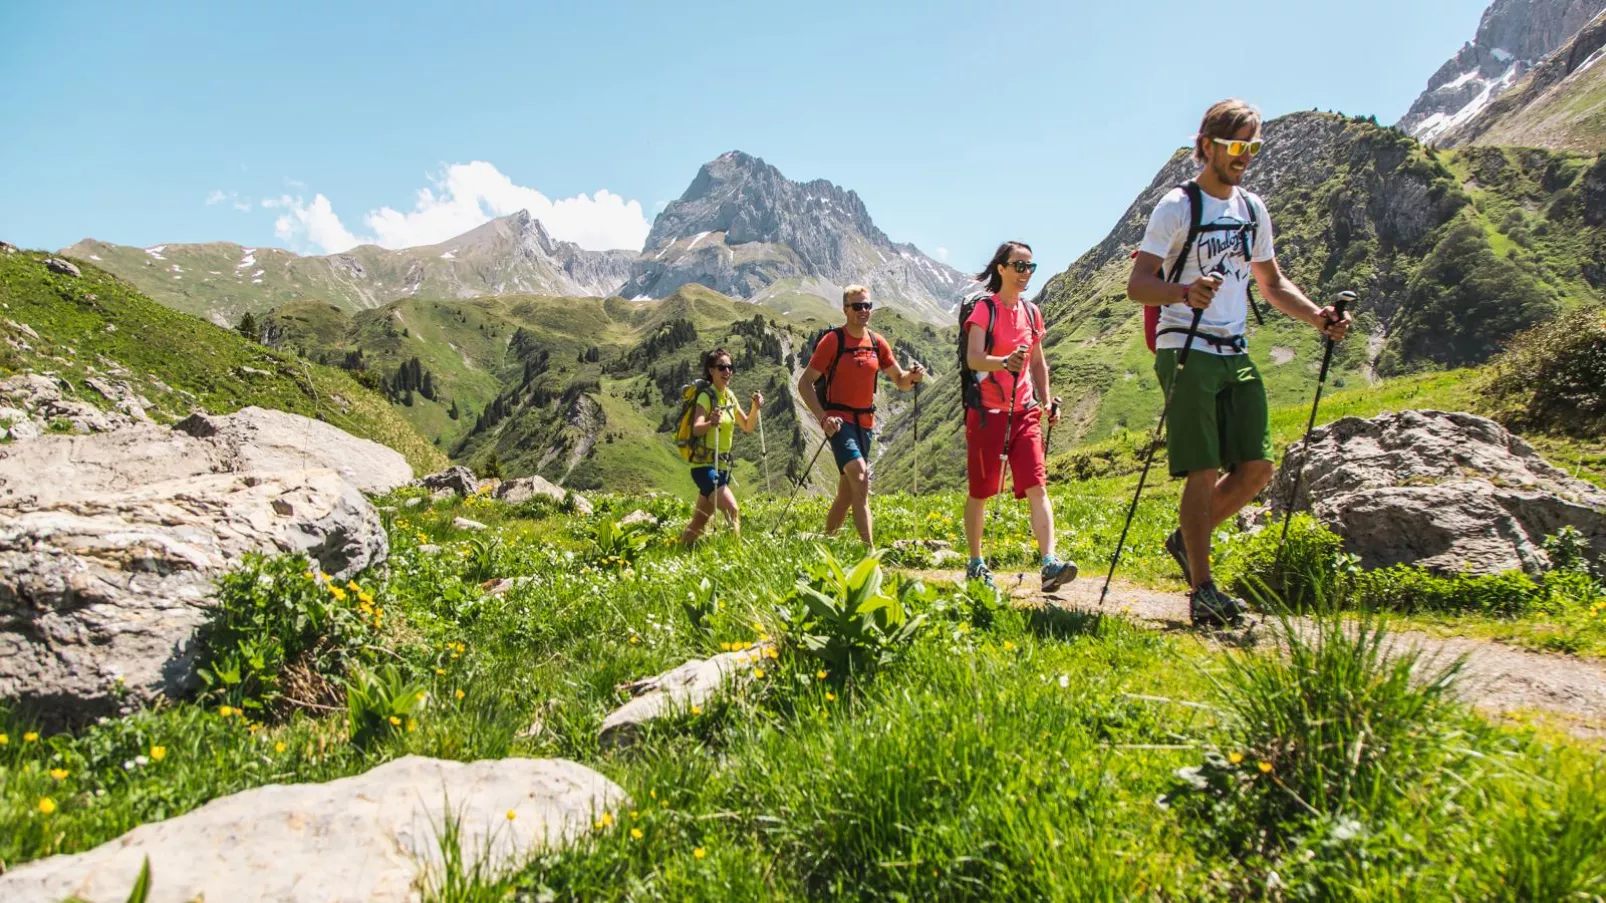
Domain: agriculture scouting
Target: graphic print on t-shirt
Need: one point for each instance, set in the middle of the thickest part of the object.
(1232, 239)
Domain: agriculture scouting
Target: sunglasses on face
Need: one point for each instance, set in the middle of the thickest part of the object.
(1022, 266)
(860, 306)
(1238, 148)
(725, 367)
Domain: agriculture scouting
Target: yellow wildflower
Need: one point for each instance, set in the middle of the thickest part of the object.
(1008, 646)
(725, 646)
(394, 721)
(607, 819)
(1265, 767)
(634, 639)
(459, 693)
(758, 673)
(769, 652)
(653, 794)
(412, 725)
(255, 726)
(696, 710)
(829, 696)
(821, 675)
(47, 805)
(511, 815)
(31, 737)
(365, 598)
(4, 740)
(224, 711)
(1235, 758)
(278, 747)
(699, 853)
(635, 834)
(59, 774)
(440, 671)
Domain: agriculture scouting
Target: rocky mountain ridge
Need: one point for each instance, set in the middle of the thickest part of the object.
(741, 228)
(1512, 37)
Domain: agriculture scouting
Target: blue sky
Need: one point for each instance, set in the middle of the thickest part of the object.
(960, 124)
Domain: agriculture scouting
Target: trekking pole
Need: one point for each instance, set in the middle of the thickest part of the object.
(1048, 441)
(713, 519)
(1344, 299)
(764, 453)
(1148, 459)
(804, 476)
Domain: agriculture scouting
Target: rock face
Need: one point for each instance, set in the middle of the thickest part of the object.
(1512, 37)
(1448, 492)
(676, 690)
(110, 543)
(57, 265)
(522, 489)
(1556, 105)
(741, 227)
(363, 839)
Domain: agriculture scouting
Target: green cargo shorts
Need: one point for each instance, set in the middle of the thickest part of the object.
(1218, 417)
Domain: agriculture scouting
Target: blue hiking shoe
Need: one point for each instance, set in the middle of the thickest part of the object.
(1058, 573)
(977, 570)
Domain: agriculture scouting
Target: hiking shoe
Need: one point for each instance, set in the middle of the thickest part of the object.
(1210, 607)
(1179, 553)
(979, 571)
(1058, 573)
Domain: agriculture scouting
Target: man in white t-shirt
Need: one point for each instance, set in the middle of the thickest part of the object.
(1218, 418)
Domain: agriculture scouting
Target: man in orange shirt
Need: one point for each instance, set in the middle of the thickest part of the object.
(849, 359)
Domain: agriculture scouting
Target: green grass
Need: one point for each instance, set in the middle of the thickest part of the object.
(97, 325)
(1017, 760)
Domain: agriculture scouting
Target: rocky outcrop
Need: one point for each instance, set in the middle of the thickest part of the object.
(373, 837)
(57, 265)
(741, 226)
(32, 405)
(520, 490)
(1445, 491)
(678, 690)
(110, 543)
(1552, 106)
(1512, 37)
(458, 481)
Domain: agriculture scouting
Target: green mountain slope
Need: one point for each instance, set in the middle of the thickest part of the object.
(98, 325)
(583, 390)
(1451, 253)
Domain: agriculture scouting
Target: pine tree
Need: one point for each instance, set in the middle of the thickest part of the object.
(248, 327)
(492, 467)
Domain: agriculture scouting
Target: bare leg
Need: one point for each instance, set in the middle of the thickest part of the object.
(1237, 489)
(857, 476)
(975, 520)
(727, 504)
(839, 506)
(1042, 518)
(1208, 499)
(700, 513)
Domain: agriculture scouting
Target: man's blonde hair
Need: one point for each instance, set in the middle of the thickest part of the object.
(1224, 120)
(854, 291)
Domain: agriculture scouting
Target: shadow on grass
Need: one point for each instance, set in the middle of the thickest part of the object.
(1058, 623)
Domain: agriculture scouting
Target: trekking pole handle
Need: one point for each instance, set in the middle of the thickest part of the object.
(1345, 299)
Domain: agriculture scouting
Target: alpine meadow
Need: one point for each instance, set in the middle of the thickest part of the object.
(419, 560)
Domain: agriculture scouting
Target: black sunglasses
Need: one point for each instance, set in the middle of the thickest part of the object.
(860, 305)
(1021, 266)
(725, 367)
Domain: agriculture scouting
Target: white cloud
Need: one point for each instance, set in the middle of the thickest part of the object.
(315, 222)
(219, 196)
(942, 254)
(465, 195)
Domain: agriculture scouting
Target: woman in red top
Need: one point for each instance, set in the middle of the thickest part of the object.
(850, 357)
(1014, 375)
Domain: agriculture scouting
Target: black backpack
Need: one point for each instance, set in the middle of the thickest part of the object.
(1151, 313)
(970, 386)
(822, 386)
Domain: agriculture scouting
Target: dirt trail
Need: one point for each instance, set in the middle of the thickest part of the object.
(1497, 678)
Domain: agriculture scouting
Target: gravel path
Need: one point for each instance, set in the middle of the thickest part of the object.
(1497, 678)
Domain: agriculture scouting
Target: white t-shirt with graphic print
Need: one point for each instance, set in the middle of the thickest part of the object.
(1227, 315)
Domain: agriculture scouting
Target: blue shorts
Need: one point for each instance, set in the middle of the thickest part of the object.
(707, 480)
(850, 442)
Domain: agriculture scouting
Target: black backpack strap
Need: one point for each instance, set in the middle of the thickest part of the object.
(1249, 256)
(1195, 197)
(1236, 343)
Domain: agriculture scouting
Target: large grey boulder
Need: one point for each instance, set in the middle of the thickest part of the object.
(110, 545)
(522, 489)
(1446, 491)
(261, 439)
(458, 480)
(372, 838)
